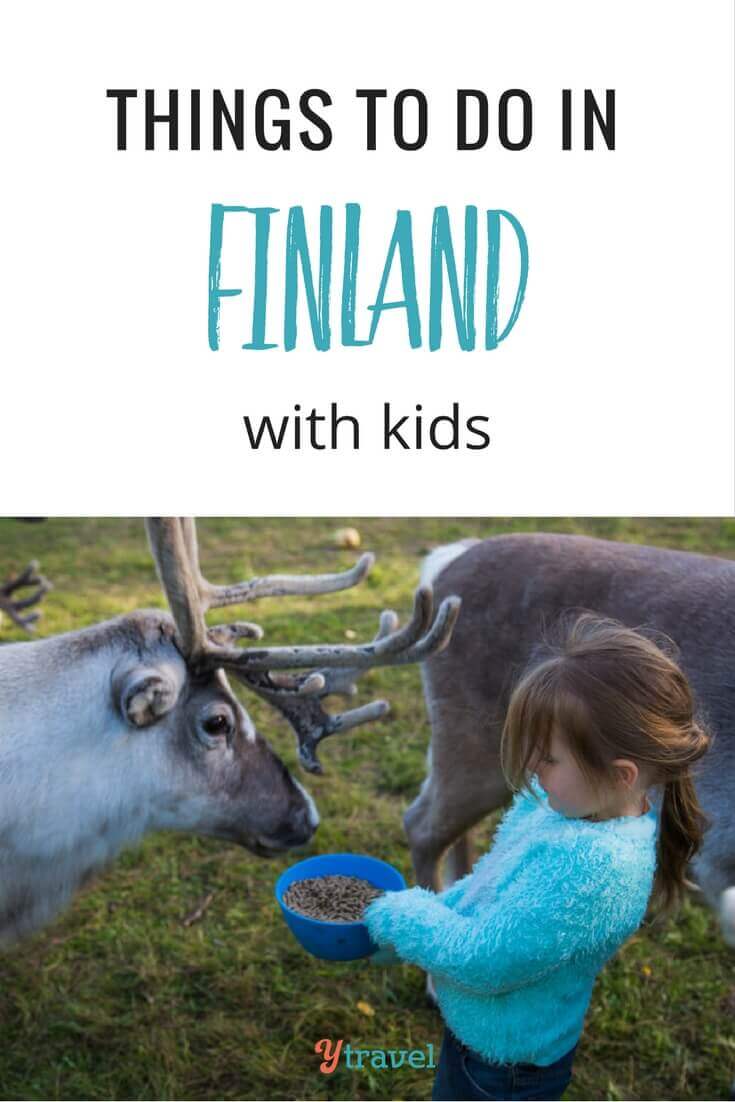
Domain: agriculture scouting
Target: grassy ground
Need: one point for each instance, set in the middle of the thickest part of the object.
(119, 999)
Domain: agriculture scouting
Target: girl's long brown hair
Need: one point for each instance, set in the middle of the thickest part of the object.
(616, 692)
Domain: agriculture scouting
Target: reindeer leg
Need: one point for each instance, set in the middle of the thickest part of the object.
(436, 825)
(727, 916)
(711, 880)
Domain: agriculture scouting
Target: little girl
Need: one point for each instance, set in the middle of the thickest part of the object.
(514, 947)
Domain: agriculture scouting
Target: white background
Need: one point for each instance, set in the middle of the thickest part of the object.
(613, 394)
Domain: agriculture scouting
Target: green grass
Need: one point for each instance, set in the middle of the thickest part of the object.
(118, 999)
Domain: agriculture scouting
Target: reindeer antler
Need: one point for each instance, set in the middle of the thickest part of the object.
(174, 545)
(26, 580)
(298, 697)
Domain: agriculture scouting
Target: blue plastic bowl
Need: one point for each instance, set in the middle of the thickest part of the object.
(336, 940)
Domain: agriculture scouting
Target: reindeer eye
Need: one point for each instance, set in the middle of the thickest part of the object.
(218, 725)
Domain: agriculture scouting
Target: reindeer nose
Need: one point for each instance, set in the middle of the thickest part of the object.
(293, 837)
(299, 826)
(294, 833)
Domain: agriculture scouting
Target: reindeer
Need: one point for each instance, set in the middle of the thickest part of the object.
(512, 587)
(131, 726)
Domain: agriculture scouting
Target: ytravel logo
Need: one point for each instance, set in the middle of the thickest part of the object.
(355, 1058)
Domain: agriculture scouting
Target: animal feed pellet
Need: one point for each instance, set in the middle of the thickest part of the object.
(334, 898)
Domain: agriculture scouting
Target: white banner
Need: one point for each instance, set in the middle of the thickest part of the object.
(593, 373)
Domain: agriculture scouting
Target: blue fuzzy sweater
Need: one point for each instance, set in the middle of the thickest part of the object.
(514, 947)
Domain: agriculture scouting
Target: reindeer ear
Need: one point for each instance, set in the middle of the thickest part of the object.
(144, 694)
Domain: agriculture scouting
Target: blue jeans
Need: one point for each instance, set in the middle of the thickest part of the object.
(463, 1075)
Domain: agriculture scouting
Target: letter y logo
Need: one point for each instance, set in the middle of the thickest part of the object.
(330, 1053)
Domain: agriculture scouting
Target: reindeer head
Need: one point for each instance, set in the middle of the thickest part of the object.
(226, 752)
(209, 769)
